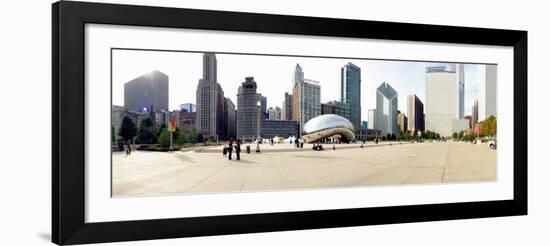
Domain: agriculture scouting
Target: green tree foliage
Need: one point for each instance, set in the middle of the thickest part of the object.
(127, 129)
(455, 135)
(146, 133)
(193, 136)
(200, 138)
(164, 138)
(182, 135)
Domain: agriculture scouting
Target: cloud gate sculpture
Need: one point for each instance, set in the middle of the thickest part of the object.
(328, 126)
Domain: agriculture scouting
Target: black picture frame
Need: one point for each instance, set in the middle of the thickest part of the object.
(68, 109)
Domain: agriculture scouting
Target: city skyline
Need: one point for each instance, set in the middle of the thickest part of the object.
(185, 69)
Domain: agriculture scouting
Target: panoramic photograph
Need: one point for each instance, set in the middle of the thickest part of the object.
(196, 122)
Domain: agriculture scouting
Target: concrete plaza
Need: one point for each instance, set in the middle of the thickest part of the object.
(282, 166)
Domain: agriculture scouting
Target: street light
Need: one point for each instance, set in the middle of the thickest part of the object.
(259, 105)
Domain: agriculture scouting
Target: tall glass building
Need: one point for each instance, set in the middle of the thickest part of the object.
(386, 110)
(459, 70)
(147, 93)
(350, 91)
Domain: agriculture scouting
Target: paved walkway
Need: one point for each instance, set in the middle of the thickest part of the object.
(159, 173)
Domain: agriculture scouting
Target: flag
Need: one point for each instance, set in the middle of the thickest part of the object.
(172, 124)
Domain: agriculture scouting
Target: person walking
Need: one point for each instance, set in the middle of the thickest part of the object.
(238, 149)
(301, 142)
(225, 148)
(230, 148)
(296, 143)
(128, 147)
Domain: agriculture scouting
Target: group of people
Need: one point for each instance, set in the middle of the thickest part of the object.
(299, 142)
(318, 147)
(228, 148)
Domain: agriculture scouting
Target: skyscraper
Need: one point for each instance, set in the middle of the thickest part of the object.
(230, 119)
(415, 111)
(487, 91)
(147, 93)
(386, 110)
(249, 114)
(371, 119)
(210, 100)
(306, 98)
(337, 108)
(459, 70)
(350, 91)
(272, 114)
(475, 113)
(287, 107)
(402, 122)
(263, 101)
(441, 100)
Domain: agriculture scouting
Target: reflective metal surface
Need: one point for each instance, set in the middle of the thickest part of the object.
(328, 126)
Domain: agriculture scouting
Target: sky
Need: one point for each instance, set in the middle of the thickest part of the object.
(274, 76)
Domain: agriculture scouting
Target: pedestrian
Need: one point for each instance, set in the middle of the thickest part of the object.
(225, 148)
(128, 147)
(238, 149)
(230, 148)
(296, 142)
(301, 142)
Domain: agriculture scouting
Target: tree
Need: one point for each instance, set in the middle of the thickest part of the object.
(182, 135)
(489, 126)
(164, 138)
(127, 129)
(200, 138)
(455, 135)
(146, 133)
(461, 135)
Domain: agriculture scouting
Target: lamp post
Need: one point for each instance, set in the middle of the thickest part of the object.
(259, 105)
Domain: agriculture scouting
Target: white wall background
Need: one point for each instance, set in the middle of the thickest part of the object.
(25, 55)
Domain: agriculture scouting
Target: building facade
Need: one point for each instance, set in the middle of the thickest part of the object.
(189, 107)
(306, 98)
(371, 119)
(459, 71)
(337, 108)
(230, 119)
(402, 122)
(475, 113)
(366, 134)
(487, 91)
(441, 100)
(386, 109)
(279, 128)
(272, 114)
(210, 100)
(263, 101)
(249, 116)
(350, 91)
(147, 93)
(415, 112)
(287, 107)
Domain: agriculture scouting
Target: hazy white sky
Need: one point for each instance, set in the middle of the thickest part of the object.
(274, 75)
